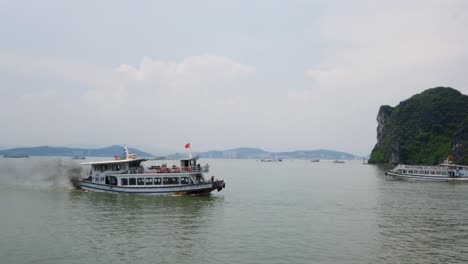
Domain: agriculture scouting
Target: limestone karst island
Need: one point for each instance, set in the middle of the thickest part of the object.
(424, 129)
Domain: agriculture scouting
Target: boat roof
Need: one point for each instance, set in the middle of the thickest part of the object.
(435, 166)
(453, 165)
(113, 161)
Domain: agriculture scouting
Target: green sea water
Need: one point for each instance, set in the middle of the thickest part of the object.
(276, 212)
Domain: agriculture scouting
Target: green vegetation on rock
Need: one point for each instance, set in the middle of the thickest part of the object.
(424, 129)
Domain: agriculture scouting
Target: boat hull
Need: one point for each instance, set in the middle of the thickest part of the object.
(426, 178)
(192, 189)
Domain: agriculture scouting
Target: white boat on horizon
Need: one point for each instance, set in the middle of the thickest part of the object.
(444, 172)
(129, 175)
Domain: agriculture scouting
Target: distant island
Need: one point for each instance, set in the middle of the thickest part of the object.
(423, 129)
(256, 153)
(238, 153)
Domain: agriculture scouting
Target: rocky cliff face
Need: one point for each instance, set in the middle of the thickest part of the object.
(386, 149)
(424, 129)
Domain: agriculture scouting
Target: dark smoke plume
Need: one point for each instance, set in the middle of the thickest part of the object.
(40, 171)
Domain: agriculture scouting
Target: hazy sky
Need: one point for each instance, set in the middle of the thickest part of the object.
(279, 75)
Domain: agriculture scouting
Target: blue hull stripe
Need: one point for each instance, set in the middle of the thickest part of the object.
(162, 191)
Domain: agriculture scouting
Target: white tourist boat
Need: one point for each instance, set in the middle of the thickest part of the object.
(444, 172)
(128, 175)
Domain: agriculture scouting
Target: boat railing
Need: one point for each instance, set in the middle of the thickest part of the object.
(176, 169)
(416, 167)
(202, 169)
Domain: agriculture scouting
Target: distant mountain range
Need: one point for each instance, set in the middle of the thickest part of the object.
(238, 153)
(256, 153)
(70, 152)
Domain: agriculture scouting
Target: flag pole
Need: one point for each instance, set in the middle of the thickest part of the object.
(187, 146)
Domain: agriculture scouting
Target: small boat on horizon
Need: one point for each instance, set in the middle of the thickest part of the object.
(271, 160)
(129, 175)
(339, 161)
(446, 171)
(78, 157)
(315, 160)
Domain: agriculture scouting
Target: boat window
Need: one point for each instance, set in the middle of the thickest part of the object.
(171, 180)
(112, 180)
(157, 181)
(124, 181)
(141, 181)
(184, 180)
(404, 171)
(132, 181)
(149, 181)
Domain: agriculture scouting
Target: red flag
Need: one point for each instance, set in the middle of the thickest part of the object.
(187, 145)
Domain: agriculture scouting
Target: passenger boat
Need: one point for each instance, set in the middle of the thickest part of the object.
(339, 161)
(128, 175)
(444, 172)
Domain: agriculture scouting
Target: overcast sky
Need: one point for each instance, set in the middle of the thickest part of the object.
(279, 75)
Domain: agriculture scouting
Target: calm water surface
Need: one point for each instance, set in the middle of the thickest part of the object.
(285, 212)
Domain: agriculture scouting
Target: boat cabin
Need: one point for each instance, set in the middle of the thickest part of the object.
(131, 172)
